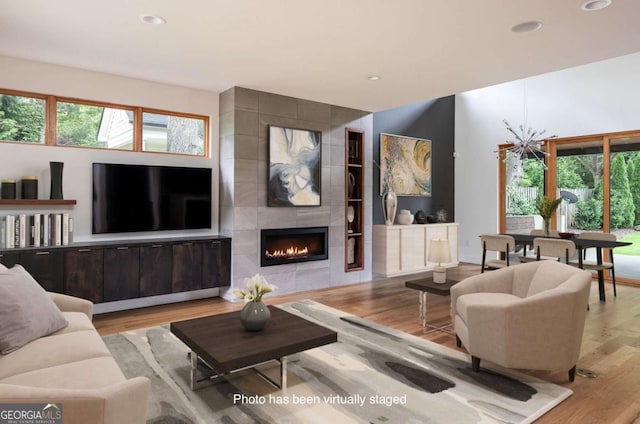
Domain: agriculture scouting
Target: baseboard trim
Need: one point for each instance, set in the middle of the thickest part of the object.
(143, 302)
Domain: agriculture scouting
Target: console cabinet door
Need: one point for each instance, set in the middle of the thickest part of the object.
(83, 273)
(216, 264)
(412, 249)
(9, 259)
(155, 269)
(187, 267)
(121, 273)
(46, 267)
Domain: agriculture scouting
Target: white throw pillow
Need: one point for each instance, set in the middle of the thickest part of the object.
(26, 310)
(3, 268)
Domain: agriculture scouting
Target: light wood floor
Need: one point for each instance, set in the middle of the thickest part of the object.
(611, 343)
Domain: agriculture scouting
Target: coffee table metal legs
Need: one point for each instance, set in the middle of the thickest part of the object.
(210, 376)
(423, 308)
(214, 377)
(283, 375)
(423, 316)
(194, 370)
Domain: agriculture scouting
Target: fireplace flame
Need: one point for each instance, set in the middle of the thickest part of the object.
(291, 252)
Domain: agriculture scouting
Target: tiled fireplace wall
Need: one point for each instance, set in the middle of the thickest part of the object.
(244, 118)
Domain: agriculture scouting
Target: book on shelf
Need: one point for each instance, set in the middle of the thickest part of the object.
(46, 230)
(70, 230)
(56, 229)
(36, 230)
(8, 234)
(65, 229)
(16, 231)
(29, 231)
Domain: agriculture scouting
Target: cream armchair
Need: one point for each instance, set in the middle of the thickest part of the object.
(528, 316)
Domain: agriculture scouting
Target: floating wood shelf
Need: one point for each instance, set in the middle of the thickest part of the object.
(36, 202)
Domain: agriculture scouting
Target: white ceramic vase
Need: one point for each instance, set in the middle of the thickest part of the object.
(389, 205)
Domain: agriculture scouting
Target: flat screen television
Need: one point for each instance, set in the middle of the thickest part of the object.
(131, 198)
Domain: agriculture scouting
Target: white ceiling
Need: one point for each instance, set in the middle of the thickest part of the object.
(320, 50)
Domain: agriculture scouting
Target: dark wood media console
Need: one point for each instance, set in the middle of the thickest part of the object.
(108, 271)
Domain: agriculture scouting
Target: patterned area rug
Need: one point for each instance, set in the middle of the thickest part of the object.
(373, 374)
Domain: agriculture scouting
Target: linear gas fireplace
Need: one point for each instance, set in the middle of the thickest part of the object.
(291, 245)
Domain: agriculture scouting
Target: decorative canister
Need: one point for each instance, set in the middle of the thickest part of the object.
(405, 217)
(29, 187)
(8, 189)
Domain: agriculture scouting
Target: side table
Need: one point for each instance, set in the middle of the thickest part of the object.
(426, 285)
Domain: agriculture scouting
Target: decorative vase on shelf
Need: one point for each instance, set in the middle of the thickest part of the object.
(389, 205)
(351, 216)
(352, 185)
(420, 217)
(547, 222)
(254, 316)
(351, 251)
(56, 180)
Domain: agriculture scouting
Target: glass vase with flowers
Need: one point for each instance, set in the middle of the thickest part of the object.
(546, 206)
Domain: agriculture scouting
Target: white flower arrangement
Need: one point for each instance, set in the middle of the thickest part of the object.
(257, 286)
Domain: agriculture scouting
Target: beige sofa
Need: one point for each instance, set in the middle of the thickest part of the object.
(528, 316)
(74, 367)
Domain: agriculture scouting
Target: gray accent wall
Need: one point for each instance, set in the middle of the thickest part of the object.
(433, 120)
(244, 119)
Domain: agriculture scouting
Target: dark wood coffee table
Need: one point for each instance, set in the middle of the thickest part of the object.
(427, 285)
(225, 346)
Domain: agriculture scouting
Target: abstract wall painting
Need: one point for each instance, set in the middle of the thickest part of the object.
(294, 167)
(405, 165)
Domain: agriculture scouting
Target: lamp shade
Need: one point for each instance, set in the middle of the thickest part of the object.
(439, 251)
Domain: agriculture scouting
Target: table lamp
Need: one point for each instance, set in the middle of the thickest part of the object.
(439, 252)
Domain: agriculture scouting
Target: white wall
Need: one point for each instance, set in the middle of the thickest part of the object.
(596, 98)
(17, 160)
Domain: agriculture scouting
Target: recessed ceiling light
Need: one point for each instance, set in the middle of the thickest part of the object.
(529, 26)
(373, 77)
(592, 5)
(152, 19)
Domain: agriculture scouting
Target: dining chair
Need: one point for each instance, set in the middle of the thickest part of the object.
(593, 265)
(554, 249)
(496, 243)
(538, 233)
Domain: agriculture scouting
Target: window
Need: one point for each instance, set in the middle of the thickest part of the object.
(79, 124)
(22, 118)
(55, 121)
(173, 134)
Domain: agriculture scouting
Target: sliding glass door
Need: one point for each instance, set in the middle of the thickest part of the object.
(624, 201)
(598, 178)
(579, 181)
(523, 183)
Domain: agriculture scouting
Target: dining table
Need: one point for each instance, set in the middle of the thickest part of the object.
(581, 245)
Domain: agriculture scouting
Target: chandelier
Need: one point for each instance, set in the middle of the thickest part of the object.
(528, 143)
